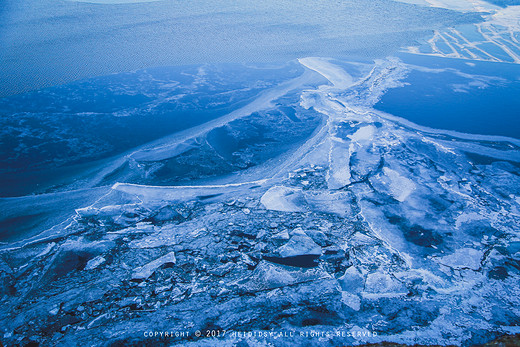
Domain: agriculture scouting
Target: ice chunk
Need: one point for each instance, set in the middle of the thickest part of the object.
(359, 239)
(393, 184)
(339, 175)
(468, 217)
(269, 276)
(166, 237)
(339, 203)
(382, 284)
(352, 301)
(468, 258)
(145, 271)
(352, 281)
(282, 235)
(285, 199)
(104, 318)
(299, 245)
(319, 237)
(94, 262)
(363, 133)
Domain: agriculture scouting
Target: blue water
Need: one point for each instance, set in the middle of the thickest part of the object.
(48, 42)
(445, 100)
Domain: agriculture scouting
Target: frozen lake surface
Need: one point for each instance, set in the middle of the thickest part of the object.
(349, 167)
(49, 42)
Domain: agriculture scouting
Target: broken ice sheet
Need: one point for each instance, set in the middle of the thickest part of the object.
(145, 271)
(369, 219)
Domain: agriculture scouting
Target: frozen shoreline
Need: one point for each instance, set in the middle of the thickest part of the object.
(366, 214)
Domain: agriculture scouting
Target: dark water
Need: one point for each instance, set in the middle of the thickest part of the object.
(51, 134)
(485, 100)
